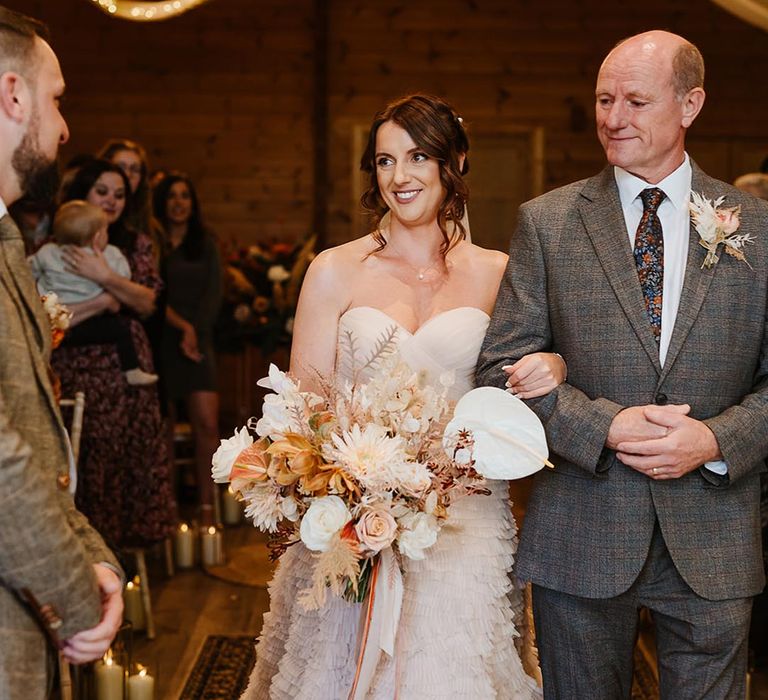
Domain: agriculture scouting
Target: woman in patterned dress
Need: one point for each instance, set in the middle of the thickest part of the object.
(124, 484)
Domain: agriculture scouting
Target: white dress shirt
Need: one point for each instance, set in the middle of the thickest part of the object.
(676, 226)
(3, 208)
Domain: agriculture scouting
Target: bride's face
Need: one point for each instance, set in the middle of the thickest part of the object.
(409, 179)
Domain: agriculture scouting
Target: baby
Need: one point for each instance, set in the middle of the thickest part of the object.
(84, 225)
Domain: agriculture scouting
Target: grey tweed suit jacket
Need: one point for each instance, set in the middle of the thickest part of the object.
(46, 545)
(571, 287)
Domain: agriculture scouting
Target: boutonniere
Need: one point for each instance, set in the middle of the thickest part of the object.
(717, 225)
(59, 317)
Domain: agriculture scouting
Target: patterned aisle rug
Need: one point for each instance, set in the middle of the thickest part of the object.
(221, 670)
(224, 664)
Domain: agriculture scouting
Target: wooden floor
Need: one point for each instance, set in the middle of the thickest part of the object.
(192, 605)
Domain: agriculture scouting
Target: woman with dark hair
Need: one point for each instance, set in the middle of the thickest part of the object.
(192, 269)
(418, 277)
(131, 158)
(124, 482)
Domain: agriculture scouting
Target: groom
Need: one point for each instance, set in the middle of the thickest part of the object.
(51, 561)
(660, 432)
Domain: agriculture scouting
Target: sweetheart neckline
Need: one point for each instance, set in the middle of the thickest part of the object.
(423, 325)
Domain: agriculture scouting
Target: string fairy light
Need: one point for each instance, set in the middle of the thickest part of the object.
(146, 11)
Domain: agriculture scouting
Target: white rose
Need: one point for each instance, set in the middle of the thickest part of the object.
(420, 535)
(277, 273)
(324, 518)
(226, 454)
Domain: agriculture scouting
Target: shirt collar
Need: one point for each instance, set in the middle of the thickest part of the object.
(3, 208)
(676, 185)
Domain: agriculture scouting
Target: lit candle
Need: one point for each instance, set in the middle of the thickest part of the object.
(141, 686)
(185, 547)
(109, 679)
(233, 509)
(213, 553)
(134, 606)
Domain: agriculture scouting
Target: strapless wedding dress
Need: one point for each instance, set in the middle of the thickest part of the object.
(457, 635)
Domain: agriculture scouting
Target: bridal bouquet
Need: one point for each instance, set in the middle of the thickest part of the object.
(361, 468)
(365, 473)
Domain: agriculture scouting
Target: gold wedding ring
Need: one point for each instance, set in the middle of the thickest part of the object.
(654, 470)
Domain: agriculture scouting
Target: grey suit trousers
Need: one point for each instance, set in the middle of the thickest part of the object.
(586, 645)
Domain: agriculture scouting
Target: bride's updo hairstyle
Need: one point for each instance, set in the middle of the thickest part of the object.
(438, 131)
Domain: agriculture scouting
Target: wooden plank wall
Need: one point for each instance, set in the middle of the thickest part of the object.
(225, 92)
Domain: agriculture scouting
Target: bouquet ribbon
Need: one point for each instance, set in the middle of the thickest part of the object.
(381, 618)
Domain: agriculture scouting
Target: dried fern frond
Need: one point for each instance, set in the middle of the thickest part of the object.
(334, 568)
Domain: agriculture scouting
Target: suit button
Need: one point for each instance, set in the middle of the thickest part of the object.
(661, 399)
(63, 481)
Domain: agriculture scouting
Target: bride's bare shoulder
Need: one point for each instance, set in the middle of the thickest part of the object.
(334, 266)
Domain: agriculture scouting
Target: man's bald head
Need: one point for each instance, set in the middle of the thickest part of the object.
(685, 59)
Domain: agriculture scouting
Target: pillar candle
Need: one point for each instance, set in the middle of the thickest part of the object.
(141, 686)
(109, 679)
(233, 509)
(134, 605)
(185, 547)
(212, 549)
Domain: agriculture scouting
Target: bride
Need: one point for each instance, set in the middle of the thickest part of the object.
(416, 273)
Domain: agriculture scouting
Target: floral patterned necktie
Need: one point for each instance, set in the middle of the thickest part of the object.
(649, 257)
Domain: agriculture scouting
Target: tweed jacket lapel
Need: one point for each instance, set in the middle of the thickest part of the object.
(603, 219)
(697, 279)
(21, 289)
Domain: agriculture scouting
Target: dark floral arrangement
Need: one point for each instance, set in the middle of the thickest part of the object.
(261, 289)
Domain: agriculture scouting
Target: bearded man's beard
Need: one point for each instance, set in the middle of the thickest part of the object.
(38, 175)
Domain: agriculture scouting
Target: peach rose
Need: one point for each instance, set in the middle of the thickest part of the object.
(728, 220)
(376, 529)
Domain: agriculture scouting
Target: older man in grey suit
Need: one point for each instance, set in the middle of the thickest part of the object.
(57, 578)
(660, 432)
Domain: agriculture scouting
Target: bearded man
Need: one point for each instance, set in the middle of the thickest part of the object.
(58, 580)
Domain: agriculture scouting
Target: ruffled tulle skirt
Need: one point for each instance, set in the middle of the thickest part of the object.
(457, 637)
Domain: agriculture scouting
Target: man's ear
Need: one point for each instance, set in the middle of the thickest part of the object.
(692, 104)
(15, 97)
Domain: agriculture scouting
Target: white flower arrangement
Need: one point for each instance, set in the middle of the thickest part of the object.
(366, 469)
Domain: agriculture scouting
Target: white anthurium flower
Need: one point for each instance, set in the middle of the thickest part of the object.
(277, 273)
(323, 519)
(226, 454)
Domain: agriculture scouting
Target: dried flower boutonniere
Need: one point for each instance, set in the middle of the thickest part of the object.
(59, 317)
(716, 225)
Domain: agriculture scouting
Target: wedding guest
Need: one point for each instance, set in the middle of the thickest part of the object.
(754, 183)
(84, 225)
(131, 157)
(125, 486)
(193, 278)
(57, 578)
(660, 431)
